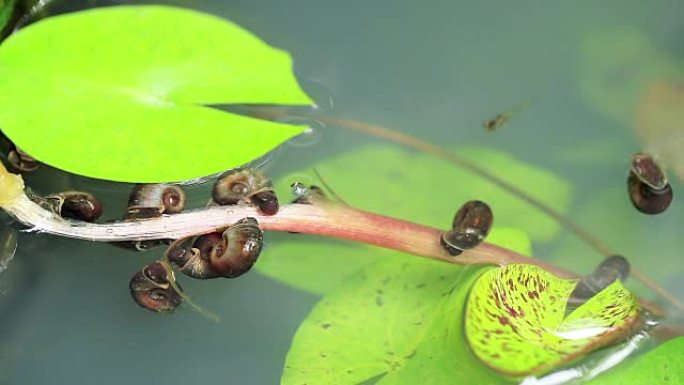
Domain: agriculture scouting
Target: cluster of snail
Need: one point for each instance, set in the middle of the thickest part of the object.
(228, 252)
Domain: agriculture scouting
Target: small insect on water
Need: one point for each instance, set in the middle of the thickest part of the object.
(501, 119)
(648, 185)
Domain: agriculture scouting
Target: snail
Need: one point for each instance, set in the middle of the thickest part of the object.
(612, 268)
(154, 288)
(228, 254)
(246, 185)
(21, 160)
(73, 205)
(469, 228)
(648, 186)
(151, 201)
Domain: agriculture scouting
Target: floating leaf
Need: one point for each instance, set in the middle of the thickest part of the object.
(660, 123)
(373, 324)
(122, 93)
(390, 319)
(515, 319)
(663, 365)
(392, 181)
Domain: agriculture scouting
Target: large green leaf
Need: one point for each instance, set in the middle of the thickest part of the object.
(515, 320)
(664, 365)
(121, 93)
(416, 187)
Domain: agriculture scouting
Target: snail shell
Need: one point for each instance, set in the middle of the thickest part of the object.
(152, 290)
(73, 205)
(21, 160)
(648, 186)
(228, 254)
(239, 249)
(470, 226)
(192, 258)
(165, 198)
(612, 268)
(246, 185)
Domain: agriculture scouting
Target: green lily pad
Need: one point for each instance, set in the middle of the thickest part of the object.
(373, 325)
(413, 186)
(123, 93)
(515, 319)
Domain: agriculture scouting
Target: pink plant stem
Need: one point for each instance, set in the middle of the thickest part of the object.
(347, 223)
(322, 218)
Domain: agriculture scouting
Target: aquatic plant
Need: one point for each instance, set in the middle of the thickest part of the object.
(515, 319)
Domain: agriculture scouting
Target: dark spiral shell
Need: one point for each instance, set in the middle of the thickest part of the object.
(470, 226)
(21, 160)
(151, 288)
(166, 198)
(246, 185)
(228, 254)
(239, 249)
(612, 268)
(77, 205)
(648, 186)
(192, 257)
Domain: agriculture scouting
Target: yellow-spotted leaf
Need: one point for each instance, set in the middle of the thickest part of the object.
(125, 93)
(516, 324)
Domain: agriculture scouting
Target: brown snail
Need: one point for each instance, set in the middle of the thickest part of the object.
(228, 254)
(469, 228)
(21, 160)
(73, 205)
(154, 288)
(612, 268)
(246, 185)
(152, 201)
(648, 186)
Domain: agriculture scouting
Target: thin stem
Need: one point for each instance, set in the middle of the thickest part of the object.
(324, 219)
(421, 145)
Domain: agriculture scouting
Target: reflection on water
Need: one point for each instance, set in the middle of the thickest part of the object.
(434, 69)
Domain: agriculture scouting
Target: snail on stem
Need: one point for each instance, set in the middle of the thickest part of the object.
(228, 254)
(246, 185)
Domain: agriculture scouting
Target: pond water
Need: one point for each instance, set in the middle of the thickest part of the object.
(433, 69)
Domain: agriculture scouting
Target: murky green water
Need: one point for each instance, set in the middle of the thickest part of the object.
(434, 69)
